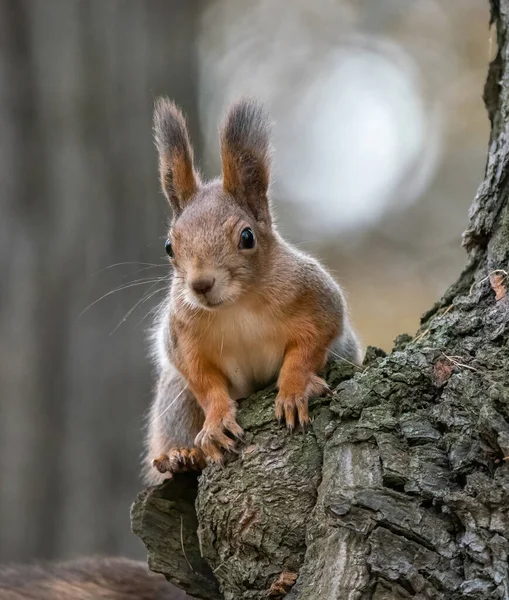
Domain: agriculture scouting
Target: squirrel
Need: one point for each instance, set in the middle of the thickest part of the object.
(244, 307)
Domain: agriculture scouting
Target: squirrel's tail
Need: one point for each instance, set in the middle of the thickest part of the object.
(85, 579)
(347, 346)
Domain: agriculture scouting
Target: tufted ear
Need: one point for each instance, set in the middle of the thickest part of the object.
(179, 180)
(245, 152)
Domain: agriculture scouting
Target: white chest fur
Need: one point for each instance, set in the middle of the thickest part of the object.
(249, 349)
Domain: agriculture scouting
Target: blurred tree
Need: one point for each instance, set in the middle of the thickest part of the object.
(78, 180)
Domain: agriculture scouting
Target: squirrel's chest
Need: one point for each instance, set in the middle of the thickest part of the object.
(249, 351)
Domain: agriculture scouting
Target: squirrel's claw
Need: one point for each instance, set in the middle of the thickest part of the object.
(288, 407)
(213, 438)
(294, 404)
(318, 387)
(180, 460)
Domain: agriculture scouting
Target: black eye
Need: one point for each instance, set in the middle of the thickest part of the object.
(168, 248)
(247, 239)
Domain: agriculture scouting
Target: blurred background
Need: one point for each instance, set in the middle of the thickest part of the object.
(380, 143)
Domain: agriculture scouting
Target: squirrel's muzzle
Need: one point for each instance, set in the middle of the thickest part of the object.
(203, 284)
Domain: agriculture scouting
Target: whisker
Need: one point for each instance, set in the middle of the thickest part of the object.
(148, 268)
(346, 360)
(298, 244)
(152, 310)
(146, 296)
(168, 407)
(209, 322)
(124, 286)
(132, 262)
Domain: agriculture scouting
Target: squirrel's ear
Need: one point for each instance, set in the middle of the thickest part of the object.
(179, 180)
(245, 152)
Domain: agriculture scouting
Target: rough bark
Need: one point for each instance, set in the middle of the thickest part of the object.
(400, 488)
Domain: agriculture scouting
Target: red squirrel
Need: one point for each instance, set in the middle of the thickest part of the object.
(244, 307)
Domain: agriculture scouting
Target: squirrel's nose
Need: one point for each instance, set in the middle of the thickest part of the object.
(204, 284)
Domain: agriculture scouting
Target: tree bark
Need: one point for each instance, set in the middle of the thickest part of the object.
(400, 488)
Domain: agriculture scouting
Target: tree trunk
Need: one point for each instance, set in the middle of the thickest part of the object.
(400, 489)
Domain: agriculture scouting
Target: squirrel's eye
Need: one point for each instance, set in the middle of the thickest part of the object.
(247, 239)
(168, 248)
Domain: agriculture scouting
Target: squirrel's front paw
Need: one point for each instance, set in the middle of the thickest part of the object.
(213, 438)
(180, 460)
(291, 402)
(287, 405)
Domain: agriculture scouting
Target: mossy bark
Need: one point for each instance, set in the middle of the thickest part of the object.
(400, 488)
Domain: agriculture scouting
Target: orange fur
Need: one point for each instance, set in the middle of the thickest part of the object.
(184, 177)
(304, 344)
(305, 355)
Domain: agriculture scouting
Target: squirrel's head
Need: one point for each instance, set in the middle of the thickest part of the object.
(221, 232)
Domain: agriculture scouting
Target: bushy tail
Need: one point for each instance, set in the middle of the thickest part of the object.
(86, 579)
(348, 346)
